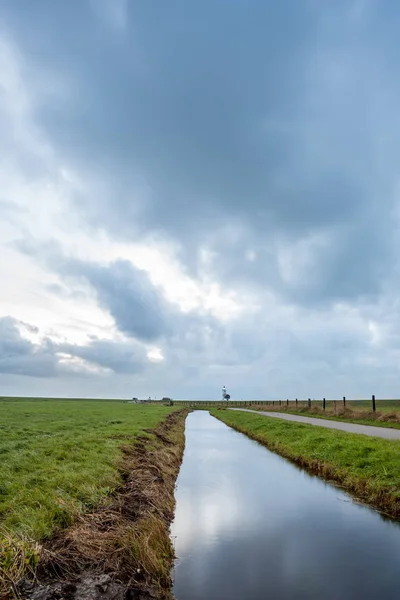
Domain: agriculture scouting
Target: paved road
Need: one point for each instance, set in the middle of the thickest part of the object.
(382, 432)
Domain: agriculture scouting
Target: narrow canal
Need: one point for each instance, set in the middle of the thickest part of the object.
(251, 526)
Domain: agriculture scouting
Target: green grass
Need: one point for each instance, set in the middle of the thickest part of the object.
(381, 405)
(59, 458)
(368, 466)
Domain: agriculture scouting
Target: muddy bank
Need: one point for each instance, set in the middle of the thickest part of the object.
(122, 550)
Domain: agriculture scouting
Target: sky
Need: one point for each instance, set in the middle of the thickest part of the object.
(198, 194)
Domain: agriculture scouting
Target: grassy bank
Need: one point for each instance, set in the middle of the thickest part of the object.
(60, 460)
(352, 413)
(368, 467)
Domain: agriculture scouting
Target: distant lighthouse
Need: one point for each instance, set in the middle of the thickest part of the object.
(225, 396)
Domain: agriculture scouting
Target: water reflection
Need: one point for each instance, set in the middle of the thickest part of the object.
(250, 525)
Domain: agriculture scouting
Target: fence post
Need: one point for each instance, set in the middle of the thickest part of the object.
(280, 402)
(344, 401)
(373, 403)
(309, 403)
(323, 403)
(287, 401)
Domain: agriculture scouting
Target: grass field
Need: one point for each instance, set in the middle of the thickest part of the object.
(58, 458)
(370, 467)
(384, 406)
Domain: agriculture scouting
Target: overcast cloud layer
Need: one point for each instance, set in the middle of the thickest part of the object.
(198, 194)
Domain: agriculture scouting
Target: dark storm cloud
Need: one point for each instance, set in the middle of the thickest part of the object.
(19, 356)
(181, 100)
(266, 113)
(138, 308)
(127, 294)
(121, 289)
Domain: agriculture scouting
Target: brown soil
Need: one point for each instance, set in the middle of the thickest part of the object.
(122, 550)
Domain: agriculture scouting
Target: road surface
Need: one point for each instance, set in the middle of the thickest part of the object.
(382, 432)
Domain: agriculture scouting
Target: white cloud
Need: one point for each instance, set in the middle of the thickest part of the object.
(155, 355)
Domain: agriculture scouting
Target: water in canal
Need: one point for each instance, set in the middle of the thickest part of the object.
(251, 526)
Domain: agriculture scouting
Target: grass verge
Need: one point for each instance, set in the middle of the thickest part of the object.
(113, 489)
(368, 467)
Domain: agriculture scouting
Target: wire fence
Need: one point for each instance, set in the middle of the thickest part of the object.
(372, 403)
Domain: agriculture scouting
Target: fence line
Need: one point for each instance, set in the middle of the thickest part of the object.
(244, 403)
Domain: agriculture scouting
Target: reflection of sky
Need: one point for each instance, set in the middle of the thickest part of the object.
(217, 512)
(247, 519)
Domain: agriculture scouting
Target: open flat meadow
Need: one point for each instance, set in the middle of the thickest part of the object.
(59, 460)
(60, 457)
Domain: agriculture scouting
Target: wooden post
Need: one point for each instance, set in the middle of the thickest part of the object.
(344, 401)
(287, 401)
(373, 403)
(323, 403)
(296, 402)
(309, 403)
(280, 402)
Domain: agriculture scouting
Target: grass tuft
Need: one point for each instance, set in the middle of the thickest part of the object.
(19, 557)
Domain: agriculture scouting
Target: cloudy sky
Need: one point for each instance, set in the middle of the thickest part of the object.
(197, 194)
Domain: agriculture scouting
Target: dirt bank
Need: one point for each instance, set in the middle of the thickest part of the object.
(122, 550)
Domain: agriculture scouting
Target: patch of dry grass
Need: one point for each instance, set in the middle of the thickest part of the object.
(19, 557)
